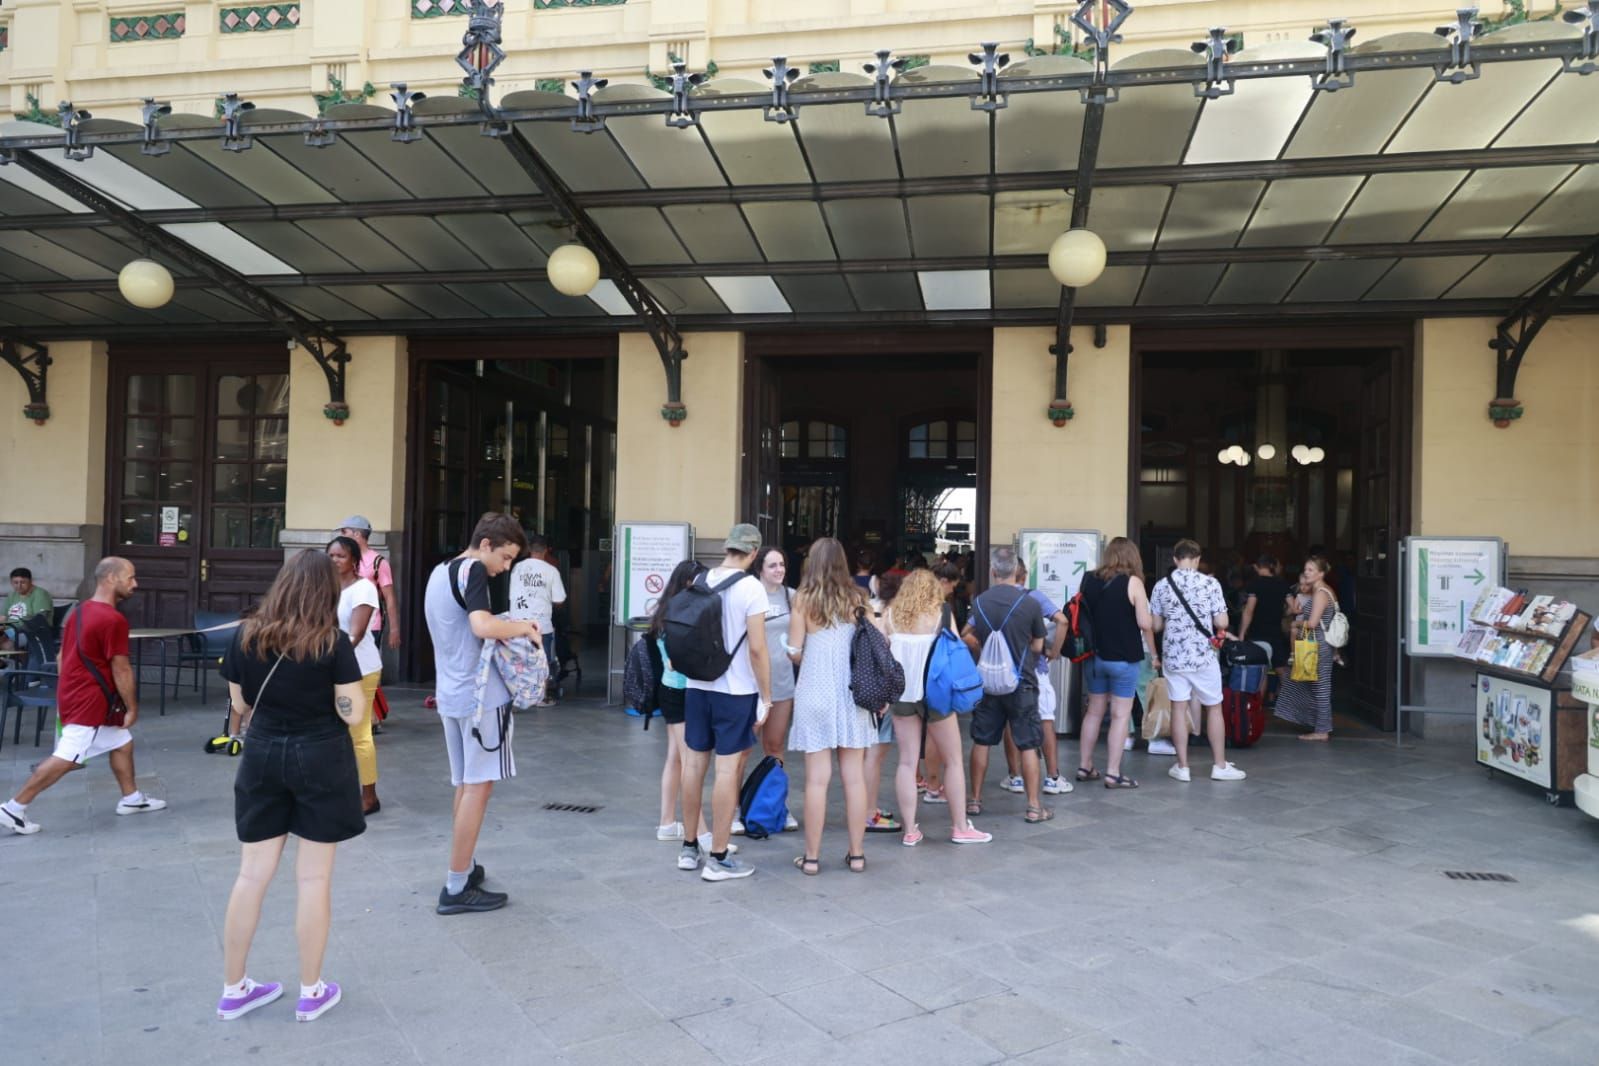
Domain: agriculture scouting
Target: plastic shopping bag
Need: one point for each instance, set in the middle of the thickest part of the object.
(1157, 710)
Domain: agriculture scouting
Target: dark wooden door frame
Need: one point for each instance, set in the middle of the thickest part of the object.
(1398, 338)
(207, 362)
(904, 342)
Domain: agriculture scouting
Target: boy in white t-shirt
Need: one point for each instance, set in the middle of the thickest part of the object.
(721, 715)
(536, 590)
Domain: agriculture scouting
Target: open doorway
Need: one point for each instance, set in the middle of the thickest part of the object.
(882, 448)
(1258, 443)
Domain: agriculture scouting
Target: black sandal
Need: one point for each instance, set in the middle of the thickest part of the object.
(1119, 781)
(1089, 774)
(851, 860)
(808, 866)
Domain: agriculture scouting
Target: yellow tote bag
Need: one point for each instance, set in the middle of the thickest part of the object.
(1307, 660)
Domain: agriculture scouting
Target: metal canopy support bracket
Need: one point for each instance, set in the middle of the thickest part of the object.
(1102, 31)
(1515, 333)
(326, 348)
(34, 366)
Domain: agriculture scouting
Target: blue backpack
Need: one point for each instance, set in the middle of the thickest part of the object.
(764, 799)
(951, 681)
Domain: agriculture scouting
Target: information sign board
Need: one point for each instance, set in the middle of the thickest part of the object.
(1515, 729)
(1443, 578)
(645, 556)
(1057, 559)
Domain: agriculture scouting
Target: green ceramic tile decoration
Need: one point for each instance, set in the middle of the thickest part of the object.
(432, 9)
(546, 5)
(824, 66)
(166, 26)
(260, 18)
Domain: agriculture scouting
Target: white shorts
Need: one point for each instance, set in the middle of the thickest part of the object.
(1046, 698)
(472, 762)
(1203, 684)
(80, 743)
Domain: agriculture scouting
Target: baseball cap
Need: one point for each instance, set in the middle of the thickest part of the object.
(356, 521)
(742, 538)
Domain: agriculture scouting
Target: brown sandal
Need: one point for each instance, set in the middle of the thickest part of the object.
(808, 866)
(1035, 815)
(851, 860)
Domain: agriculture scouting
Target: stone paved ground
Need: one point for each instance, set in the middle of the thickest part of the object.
(1300, 917)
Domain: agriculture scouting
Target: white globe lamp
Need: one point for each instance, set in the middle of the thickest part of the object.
(1237, 453)
(1266, 452)
(145, 283)
(1301, 454)
(1224, 456)
(1317, 455)
(573, 270)
(1243, 458)
(1077, 258)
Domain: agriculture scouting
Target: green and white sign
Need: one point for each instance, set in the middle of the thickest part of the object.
(646, 555)
(1443, 578)
(1057, 559)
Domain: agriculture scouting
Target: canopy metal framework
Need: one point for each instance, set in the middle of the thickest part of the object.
(1418, 174)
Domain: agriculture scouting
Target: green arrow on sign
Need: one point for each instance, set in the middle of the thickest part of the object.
(1080, 568)
(1477, 576)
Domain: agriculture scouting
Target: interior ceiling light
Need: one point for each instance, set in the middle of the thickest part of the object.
(1077, 258)
(573, 270)
(1266, 451)
(146, 283)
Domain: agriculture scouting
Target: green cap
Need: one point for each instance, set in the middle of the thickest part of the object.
(742, 538)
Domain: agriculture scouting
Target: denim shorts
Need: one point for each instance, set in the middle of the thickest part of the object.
(307, 786)
(718, 721)
(1117, 679)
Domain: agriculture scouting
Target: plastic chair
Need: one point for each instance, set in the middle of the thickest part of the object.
(34, 686)
(204, 651)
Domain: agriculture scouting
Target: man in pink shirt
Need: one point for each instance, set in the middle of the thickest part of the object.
(375, 568)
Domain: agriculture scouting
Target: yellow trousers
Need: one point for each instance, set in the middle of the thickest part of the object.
(366, 752)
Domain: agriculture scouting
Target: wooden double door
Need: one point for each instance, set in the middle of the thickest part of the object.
(197, 477)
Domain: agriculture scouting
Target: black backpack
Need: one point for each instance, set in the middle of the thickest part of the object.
(694, 629)
(639, 680)
(876, 678)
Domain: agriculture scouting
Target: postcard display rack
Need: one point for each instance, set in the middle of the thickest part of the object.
(1527, 725)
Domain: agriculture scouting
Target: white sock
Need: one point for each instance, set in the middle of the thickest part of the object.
(312, 991)
(455, 883)
(235, 991)
(133, 797)
(18, 809)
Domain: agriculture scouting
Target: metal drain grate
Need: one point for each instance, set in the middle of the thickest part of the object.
(571, 808)
(1477, 875)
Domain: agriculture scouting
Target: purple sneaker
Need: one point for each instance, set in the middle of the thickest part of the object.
(310, 1008)
(231, 1007)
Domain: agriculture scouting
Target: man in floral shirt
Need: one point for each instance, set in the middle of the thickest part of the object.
(1191, 613)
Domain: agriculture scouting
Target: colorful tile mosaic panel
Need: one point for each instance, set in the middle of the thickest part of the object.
(259, 19)
(546, 5)
(824, 66)
(5, 38)
(166, 26)
(432, 9)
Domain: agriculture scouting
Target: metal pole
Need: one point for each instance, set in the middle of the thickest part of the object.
(1399, 649)
(510, 443)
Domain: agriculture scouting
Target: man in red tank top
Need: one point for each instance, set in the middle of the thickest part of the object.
(96, 698)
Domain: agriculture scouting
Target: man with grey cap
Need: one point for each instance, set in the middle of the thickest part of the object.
(720, 714)
(377, 570)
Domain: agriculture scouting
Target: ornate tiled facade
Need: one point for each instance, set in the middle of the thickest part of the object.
(259, 19)
(824, 66)
(432, 9)
(545, 5)
(162, 26)
(550, 85)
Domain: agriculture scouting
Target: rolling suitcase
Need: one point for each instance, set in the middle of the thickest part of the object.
(1242, 707)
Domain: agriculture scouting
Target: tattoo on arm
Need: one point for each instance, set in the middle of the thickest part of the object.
(345, 706)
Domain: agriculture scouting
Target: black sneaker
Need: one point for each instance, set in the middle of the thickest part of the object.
(470, 900)
(475, 878)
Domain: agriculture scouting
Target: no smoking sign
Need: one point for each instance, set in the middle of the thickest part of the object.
(654, 583)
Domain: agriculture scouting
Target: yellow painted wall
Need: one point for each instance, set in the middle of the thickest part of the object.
(55, 473)
(690, 473)
(1533, 483)
(359, 467)
(1069, 477)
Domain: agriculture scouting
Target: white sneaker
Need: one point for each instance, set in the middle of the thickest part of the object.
(705, 845)
(1228, 772)
(1161, 746)
(18, 823)
(1013, 784)
(1057, 786)
(1127, 745)
(670, 831)
(147, 804)
(738, 831)
(791, 825)
(688, 858)
(1179, 773)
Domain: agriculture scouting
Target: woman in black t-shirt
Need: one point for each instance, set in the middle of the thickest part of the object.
(296, 687)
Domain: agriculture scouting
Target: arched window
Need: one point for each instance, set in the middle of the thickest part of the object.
(942, 439)
(812, 439)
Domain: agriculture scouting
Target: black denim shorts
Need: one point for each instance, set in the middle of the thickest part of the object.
(1018, 709)
(672, 701)
(307, 786)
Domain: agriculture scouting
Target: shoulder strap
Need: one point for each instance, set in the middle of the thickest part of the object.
(94, 671)
(722, 586)
(1178, 589)
(456, 566)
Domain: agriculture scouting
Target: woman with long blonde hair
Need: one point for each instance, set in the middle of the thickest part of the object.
(295, 686)
(825, 716)
(912, 622)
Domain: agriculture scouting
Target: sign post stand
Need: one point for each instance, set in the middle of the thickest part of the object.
(1057, 560)
(1440, 578)
(643, 557)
